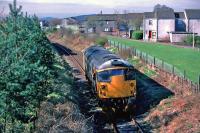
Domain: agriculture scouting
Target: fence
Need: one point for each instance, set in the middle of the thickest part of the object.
(159, 64)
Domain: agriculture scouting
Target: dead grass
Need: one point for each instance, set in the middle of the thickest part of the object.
(76, 42)
(62, 118)
(180, 115)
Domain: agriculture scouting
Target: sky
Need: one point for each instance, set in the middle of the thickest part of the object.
(66, 8)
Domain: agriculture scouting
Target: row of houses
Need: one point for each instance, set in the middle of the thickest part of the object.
(159, 25)
(112, 23)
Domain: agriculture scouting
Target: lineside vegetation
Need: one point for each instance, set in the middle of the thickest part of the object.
(31, 72)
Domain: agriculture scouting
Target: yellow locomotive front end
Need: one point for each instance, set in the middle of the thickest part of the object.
(118, 82)
(116, 88)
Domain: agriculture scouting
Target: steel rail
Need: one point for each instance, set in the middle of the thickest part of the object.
(76, 60)
(137, 125)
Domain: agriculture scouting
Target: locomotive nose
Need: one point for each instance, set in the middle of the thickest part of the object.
(119, 87)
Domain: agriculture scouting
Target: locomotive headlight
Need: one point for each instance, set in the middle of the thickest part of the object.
(132, 84)
(103, 87)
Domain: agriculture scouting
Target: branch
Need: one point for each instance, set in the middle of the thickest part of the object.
(1, 12)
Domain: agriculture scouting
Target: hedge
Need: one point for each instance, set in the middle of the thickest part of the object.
(189, 40)
(138, 35)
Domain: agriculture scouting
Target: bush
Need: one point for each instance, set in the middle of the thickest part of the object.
(66, 31)
(101, 41)
(189, 40)
(197, 39)
(138, 35)
(112, 49)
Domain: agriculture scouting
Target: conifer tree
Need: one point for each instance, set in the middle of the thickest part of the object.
(26, 69)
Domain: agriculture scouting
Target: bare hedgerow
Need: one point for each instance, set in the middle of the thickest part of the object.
(62, 118)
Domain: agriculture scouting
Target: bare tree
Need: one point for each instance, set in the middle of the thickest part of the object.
(2, 12)
(118, 20)
(159, 7)
(91, 22)
(136, 23)
(125, 18)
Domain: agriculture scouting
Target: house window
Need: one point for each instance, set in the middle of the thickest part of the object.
(107, 22)
(150, 22)
(106, 29)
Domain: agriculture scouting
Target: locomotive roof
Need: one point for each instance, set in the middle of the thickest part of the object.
(115, 63)
(102, 58)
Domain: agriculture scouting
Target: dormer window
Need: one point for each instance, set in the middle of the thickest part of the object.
(150, 22)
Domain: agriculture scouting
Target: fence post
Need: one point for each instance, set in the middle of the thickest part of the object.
(199, 84)
(118, 47)
(133, 52)
(173, 70)
(184, 74)
(154, 61)
(146, 58)
(162, 65)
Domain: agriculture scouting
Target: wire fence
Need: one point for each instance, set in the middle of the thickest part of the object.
(159, 64)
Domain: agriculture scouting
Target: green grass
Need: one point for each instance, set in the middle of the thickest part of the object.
(182, 58)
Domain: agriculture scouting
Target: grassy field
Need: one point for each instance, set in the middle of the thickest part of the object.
(182, 58)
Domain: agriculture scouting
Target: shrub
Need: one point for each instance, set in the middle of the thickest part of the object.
(138, 35)
(113, 49)
(101, 41)
(66, 32)
(197, 39)
(189, 40)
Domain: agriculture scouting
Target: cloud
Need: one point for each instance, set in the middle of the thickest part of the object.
(116, 3)
(76, 7)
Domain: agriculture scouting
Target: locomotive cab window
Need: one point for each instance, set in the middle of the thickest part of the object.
(130, 74)
(105, 76)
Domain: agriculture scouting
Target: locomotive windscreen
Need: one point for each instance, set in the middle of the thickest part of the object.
(105, 76)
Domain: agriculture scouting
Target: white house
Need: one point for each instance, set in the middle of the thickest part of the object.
(157, 25)
(167, 25)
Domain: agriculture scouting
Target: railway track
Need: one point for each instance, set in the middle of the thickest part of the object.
(123, 127)
(73, 56)
(128, 127)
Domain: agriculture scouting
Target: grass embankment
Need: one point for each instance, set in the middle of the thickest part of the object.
(60, 111)
(182, 58)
